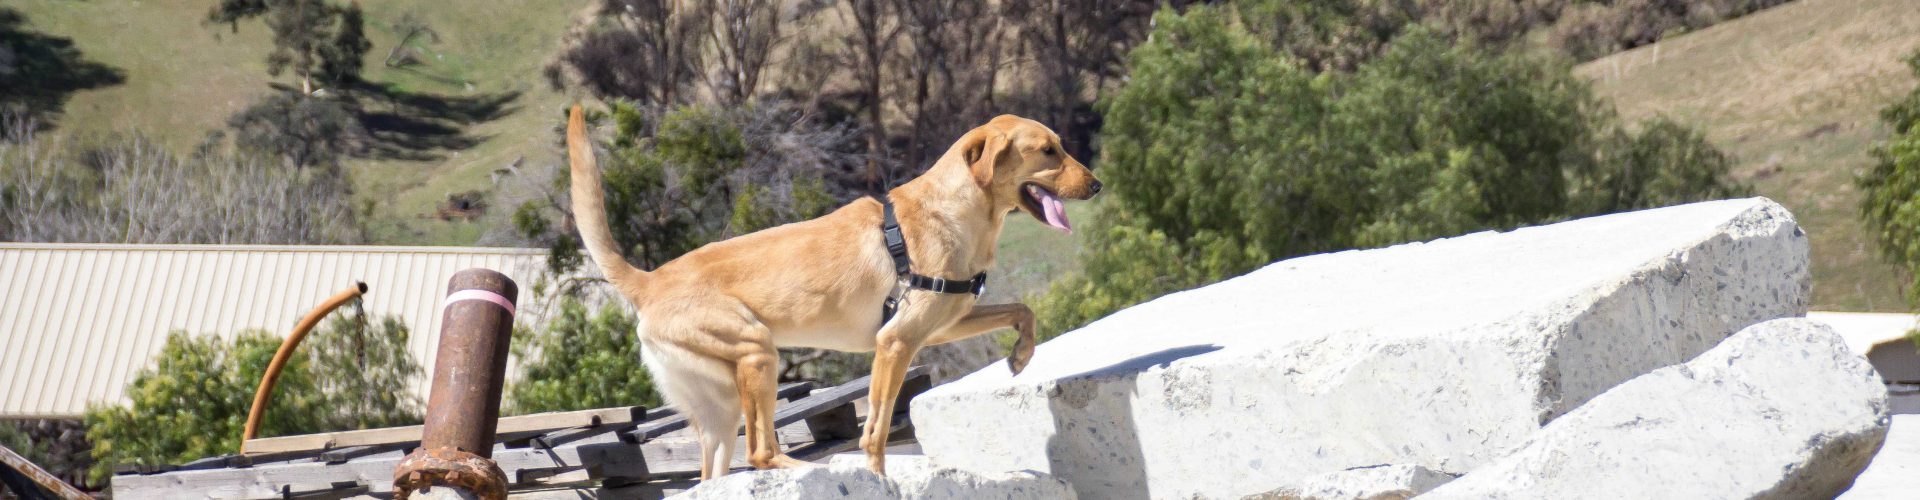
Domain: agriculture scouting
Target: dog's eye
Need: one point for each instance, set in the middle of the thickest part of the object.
(1048, 151)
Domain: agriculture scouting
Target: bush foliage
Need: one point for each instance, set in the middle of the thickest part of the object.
(1892, 187)
(1225, 154)
(680, 178)
(192, 402)
(579, 361)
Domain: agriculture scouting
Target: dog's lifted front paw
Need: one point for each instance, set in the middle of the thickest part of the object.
(1022, 353)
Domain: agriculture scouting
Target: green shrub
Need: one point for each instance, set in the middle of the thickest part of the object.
(1891, 206)
(580, 362)
(192, 402)
(1224, 154)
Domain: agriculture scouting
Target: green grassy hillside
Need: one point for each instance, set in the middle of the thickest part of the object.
(1794, 92)
(184, 77)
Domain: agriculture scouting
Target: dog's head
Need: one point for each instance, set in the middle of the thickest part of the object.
(1020, 164)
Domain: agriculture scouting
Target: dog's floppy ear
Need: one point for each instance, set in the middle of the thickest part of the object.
(984, 149)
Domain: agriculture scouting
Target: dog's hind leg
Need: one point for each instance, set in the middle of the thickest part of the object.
(716, 420)
(716, 447)
(702, 389)
(757, 379)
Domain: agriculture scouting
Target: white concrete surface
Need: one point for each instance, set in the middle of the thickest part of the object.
(1882, 339)
(908, 477)
(1377, 482)
(1443, 354)
(1895, 470)
(1780, 410)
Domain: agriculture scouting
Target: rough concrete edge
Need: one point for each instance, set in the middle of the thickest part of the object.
(1745, 224)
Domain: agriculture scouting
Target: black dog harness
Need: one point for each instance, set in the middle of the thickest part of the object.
(903, 267)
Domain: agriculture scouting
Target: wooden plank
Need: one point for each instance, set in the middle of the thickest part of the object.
(834, 396)
(671, 458)
(342, 455)
(507, 428)
(333, 492)
(666, 421)
(606, 457)
(38, 481)
(839, 422)
(820, 450)
(604, 451)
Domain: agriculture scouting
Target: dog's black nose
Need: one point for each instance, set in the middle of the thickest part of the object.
(1094, 187)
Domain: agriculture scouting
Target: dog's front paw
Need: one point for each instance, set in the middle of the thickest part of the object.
(1022, 353)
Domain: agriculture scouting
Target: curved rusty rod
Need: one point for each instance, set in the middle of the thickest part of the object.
(265, 393)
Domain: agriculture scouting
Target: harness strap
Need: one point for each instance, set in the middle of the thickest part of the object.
(896, 241)
(903, 267)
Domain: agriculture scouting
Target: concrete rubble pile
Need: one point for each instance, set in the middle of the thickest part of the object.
(1495, 358)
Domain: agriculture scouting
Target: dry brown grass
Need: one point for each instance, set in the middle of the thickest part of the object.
(1794, 92)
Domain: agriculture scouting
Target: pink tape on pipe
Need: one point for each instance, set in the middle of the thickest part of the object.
(478, 295)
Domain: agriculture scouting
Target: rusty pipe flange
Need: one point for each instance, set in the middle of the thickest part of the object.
(449, 467)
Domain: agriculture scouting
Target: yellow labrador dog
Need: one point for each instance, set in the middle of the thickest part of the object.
(711, 320)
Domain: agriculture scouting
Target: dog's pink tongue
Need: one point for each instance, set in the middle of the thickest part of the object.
(1056, 212)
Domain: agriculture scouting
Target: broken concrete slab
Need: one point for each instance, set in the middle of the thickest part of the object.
(1895, 469)
(1373, 482)
(1442, 354)
(1780, 410)
(908, 477)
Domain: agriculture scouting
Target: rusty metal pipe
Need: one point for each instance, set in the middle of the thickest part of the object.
(280, 357)
(469, 374)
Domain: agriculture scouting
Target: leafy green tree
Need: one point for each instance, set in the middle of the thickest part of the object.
(303, 131)
(1224, 154)
(678, 179)
(231, 12)
(1892, 187)
(580, 362)
(1328, 34)
(343, 57)
(193, 401)
(364, 373)
(316, 39)
(1665, 163)
(1450, 138)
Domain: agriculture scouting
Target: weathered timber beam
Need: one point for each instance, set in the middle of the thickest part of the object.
(509, 426)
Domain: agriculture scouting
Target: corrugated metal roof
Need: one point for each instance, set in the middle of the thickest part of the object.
(77, 321)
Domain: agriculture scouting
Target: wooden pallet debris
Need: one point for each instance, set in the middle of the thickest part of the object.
(629, 449)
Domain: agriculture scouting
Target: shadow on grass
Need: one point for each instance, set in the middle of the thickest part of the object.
(39, 72)
(420, 126)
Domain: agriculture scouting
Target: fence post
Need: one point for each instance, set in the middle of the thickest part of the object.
(463, 406)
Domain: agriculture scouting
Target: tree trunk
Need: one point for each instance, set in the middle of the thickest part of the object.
(1064, 77)
(867, 16)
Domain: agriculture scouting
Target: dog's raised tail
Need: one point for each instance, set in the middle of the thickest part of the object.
(590, 205)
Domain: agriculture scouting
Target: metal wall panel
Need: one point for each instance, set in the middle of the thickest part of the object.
(79, 321)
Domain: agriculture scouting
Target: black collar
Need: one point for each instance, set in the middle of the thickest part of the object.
(903, 267)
